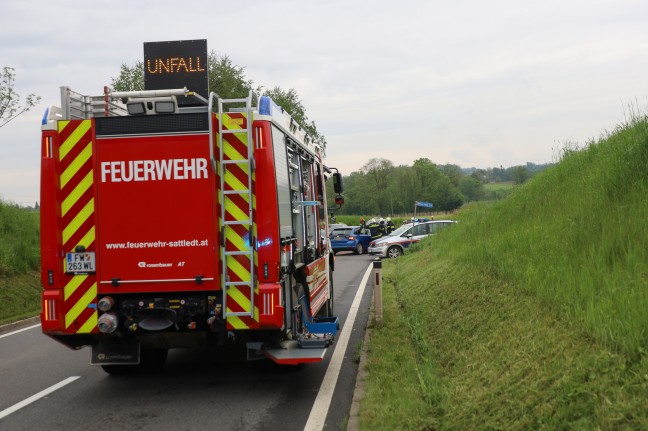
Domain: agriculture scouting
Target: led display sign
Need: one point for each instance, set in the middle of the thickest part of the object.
(177, 64)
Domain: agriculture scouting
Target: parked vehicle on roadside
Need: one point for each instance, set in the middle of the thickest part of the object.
(173, 218)
(350, 238)
(395, 243)
(335, 226)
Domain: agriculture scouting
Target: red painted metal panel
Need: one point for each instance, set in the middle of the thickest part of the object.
(159, 196)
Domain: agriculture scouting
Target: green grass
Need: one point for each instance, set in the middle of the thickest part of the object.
(496, 191)
(531, 313)
(19, 240)
(473, 352)
(20, 286)
(498, 186)
(19, 296)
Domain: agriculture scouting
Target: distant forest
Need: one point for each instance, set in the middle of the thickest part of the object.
(381, 188)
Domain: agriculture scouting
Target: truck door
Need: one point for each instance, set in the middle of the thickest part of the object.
(157, 218)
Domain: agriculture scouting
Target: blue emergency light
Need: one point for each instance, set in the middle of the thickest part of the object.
(267, 106)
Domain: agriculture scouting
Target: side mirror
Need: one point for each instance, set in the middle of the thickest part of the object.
(409, 235)
(339, 200)
(337, 183)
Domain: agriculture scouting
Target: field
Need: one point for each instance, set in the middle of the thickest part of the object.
(19, 262)
(531, 312)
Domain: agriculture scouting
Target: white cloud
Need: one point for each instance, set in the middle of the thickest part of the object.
(468, 82)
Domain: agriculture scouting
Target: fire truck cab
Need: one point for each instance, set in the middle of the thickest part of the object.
(165, 226)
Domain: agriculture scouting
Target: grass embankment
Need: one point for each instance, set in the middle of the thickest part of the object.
(531, 313)
(19, 260)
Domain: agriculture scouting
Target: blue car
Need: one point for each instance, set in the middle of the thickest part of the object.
(349, 238)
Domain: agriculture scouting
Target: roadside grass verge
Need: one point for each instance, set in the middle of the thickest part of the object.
(393, 399)
(19, 296)
(19, 240)
(576, 236)
(460, 349)
(531, 312)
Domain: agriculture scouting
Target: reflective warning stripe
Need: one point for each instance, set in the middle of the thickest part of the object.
(78, 221)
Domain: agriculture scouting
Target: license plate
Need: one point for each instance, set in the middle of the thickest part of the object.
(76, 263)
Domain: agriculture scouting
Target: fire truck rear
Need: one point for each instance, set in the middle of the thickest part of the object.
(165, 226)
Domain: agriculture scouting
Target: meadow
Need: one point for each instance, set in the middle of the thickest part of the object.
(19, 262)
(531, 312)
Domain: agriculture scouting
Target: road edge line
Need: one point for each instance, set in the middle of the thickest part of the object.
(319, 411)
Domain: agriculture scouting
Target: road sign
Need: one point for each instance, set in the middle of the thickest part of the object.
(424, 204)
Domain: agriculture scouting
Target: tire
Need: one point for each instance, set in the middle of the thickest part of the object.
(394, 251)
(359, 249)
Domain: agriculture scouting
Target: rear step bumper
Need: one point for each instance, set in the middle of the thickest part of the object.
(292, 354)
(310, 347)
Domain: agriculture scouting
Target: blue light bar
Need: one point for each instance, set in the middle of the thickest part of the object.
(45, 116)
(267, 106)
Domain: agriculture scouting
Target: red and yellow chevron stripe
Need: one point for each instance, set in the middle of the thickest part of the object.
(238, 237)
(77, 221)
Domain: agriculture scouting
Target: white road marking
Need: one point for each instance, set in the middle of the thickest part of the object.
(6, 412)
(317, 417)
(19, 330)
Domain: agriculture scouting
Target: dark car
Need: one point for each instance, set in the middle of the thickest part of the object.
(350, 238)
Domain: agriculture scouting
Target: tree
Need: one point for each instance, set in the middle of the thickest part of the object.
(290, 101)
(453, 172)
(471, 188)
(378, 170)
(228, 81)
(131, 78)
(520, 174)
(436, 187)
(10, 106)
(376, 173)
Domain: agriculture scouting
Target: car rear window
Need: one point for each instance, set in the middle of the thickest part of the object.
(341, 232)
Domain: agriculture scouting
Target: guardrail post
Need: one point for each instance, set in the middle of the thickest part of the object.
(378, 306)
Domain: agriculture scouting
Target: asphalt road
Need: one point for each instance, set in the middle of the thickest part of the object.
(198, 389)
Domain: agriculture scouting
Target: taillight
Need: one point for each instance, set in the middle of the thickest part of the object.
(50, 309)
(352, 238)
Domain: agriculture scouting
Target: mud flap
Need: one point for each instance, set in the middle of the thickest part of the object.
(115, 352)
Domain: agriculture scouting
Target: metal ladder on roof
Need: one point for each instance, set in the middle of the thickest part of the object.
(238, 236)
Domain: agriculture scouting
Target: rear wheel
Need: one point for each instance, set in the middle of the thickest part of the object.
(359, 249)
(394, 251)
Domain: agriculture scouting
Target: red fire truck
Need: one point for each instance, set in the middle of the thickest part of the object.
(166, 226)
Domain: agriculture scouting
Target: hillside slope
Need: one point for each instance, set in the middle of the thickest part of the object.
(531, 312)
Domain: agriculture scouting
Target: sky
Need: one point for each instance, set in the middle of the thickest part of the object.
(468, 82)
